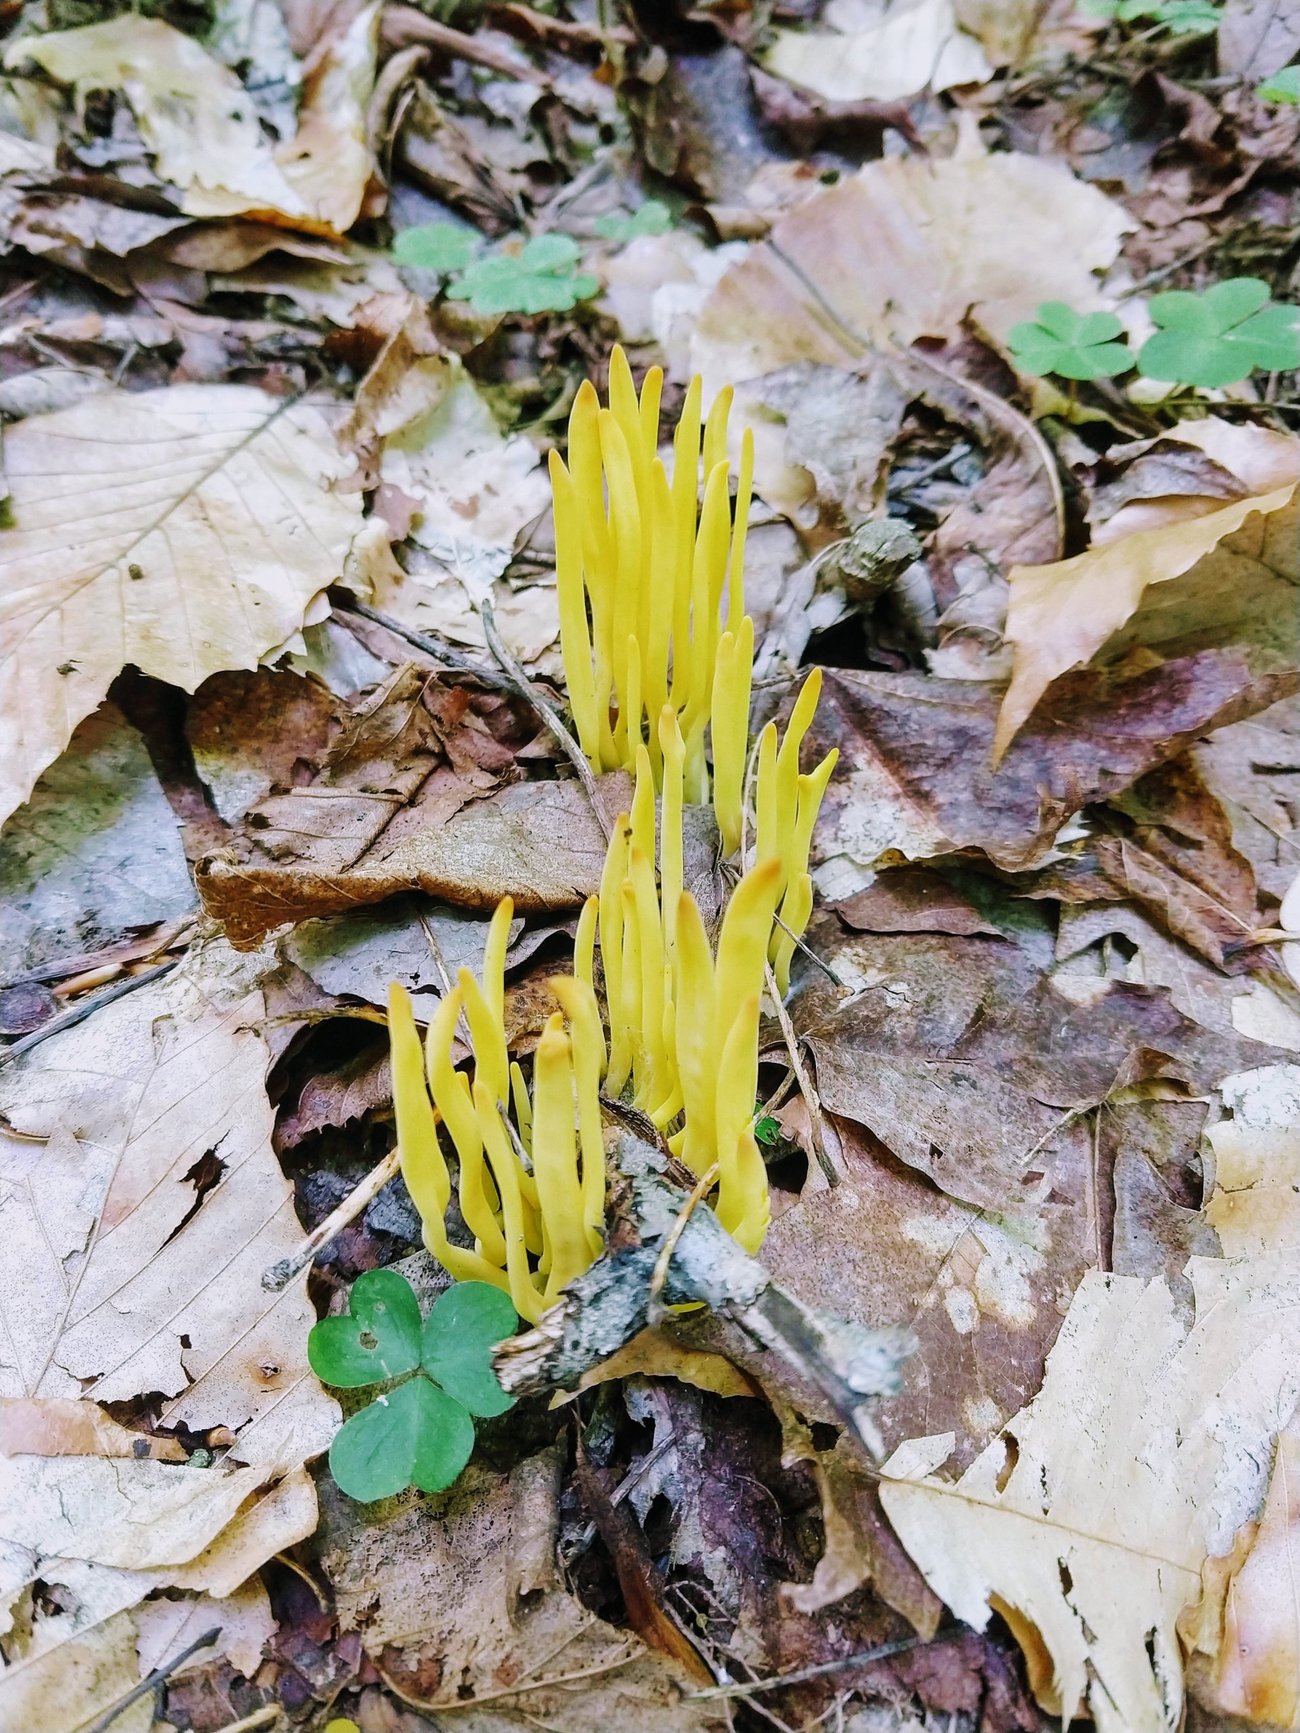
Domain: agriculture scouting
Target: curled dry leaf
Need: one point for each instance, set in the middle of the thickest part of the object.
(880, 55)
(214, 529)
(920, 782)
(141, 1205)
(1088, 1520)
(1231, 575)
(909, 247)
(411, 798)
(203, 128)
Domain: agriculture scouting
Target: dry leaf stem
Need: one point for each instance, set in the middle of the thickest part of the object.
(281, 1274)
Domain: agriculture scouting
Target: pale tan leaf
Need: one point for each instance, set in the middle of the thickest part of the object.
(1255, 1206)
(193, 113)
(244, 1620)
(139, 1208)
(185, 530)
(62, 1426)
(328, 162)
(203, 129)
(1220, 568)
(879, 52)
(907, 248)
(1087, 1522)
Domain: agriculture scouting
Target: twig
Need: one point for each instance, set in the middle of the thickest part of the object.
(545, 709)
(817, 1124)
(603, 1309)
(659, 1275)
(433, 647)
(779, 1681)
(263, 1717)
(281, 1274)
(78, 1013)
(443, 1708)
(403, 24)
(159, 1676)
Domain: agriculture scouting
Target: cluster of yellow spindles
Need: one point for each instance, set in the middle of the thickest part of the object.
(654, 664)
(532, 1194)
(650, 582)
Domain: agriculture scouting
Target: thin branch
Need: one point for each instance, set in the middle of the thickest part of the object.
(432, 647)
(526, 689)
(659, 1275)
(443, 1708)
(159, 1676)
(78, 1013)
(778, 1681)
(281, 1274)
(817, 1124)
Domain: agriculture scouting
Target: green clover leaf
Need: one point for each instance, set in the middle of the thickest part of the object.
(1180, 17)
(1284, 86)
(411, 1436)
(441, 247)
(541, 279)
(1221, 336)
(465, 1324)
(652, 218)
(378, 1339)
(1073, 345)
(419, 1430)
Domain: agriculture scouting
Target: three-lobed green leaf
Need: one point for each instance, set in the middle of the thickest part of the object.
(1221, 335)
(651, 218)
(542, 278)
(419, 1430)
(441, 247)
(1283, 87)
(1073, 345)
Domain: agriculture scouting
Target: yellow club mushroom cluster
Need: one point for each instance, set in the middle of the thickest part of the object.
(531, 1166)
(658, 656)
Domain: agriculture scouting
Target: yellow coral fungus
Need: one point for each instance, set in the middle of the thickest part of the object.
(648, 576)
(533, 1230)
(658, 652)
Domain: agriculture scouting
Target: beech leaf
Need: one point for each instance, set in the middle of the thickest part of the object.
(185, 530)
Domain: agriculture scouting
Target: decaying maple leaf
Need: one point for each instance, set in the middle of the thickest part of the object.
(184, 530)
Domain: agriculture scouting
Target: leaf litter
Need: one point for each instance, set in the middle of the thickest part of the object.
(317, 289)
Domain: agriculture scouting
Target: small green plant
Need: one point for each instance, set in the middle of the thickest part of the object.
(1284, 86)
(1073, 345)
(1216, 338)
(1221, 336)
(435, 1375)
(542, 278)
(651, 218)
(441, 247)
(1179, 17)
(766, 1129)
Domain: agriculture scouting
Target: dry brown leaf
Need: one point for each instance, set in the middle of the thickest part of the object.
(466, 1582)
(214, 527)
(916, 780)
(654, 1354)
(63, 1426)
(1087, 1522)
(141, 1204)
(1237, 563)
(203, 129)
(907, 248)
(879, 51)
(410, 799)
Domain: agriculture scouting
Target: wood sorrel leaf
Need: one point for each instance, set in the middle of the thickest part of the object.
(465, 1324)
(377, 1338)
(414, 1435)
(1073, 345)
(1221, 336)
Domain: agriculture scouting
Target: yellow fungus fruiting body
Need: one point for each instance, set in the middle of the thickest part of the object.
(658, 654)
